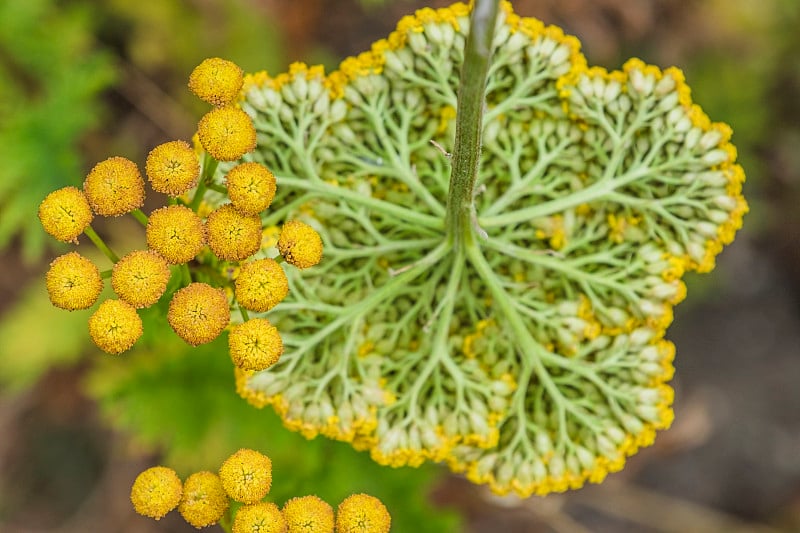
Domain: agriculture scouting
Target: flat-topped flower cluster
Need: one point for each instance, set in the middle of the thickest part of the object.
(532, 355)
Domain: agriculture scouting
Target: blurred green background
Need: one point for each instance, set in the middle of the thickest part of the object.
(82, 80)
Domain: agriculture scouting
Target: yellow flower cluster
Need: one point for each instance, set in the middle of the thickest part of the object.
(246, 477)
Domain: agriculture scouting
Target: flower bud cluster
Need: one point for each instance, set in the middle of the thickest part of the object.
(533, 360)
(177, 236)
(205, 498)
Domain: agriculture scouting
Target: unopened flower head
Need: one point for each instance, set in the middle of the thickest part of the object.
(216, 81)
(115, 326)
(231, 235)
(156, 491)
(176, 232)
(226, 133)
(299, 244)
(251, 187)
(65, 214)
(204, 500)
(261, 285)
(246, 476)
(140, 278)
(262, 517)
(172, 168)
(73, 282)
(114, 187)
(255, 344)
(198, 313)
(362, 513)
(308, 513)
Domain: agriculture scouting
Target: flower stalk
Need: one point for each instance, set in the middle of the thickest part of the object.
(461, 219)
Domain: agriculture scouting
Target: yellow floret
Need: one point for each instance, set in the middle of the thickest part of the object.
(176, 232)
(231, 235)
(65, 214)
(259, 518)
(255, 344)
(261, 285)
(362, 513)
(198, 313)
(299, 244)
(226, 133)
(140, 278)
(251, 188)
(172, 168)
(114, 187)
(246, 476)
(156, 491)
(308, 513)
(73, 282)
(204, 500)
(216, 81)
(115, 326)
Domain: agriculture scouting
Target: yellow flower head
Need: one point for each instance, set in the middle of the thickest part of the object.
(251, 188)
(115, 326)
(308, 514)
(114, 187)
(65, 214)
(259, 518)
(176, 232)
(140, 278)
(204, 500)
(156, 491)
(216, 81)
(299, 244)
(261, 285)
(246, 475)
(255, 344)
(362, 513)
(231, 235)
(73, 282)
(172, 168)
(226, 133)
(198, 313)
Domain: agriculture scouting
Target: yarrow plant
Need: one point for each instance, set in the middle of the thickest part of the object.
(234, 496)
(178, 239)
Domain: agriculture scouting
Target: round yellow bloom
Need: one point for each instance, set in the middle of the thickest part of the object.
(226, 133)
(204, 500)
(73, 282)
(362, 513)
(246, 475)
(140, 278)
(261, 285)
(231, 235)
(251, 188)
(216, 81)
(255, 344)
(176, 232)
(114, 187)
(65, 214)
(308, 513)
(115, 326)
(198, 313)
(259, 518)
(156, 491)
(299, 244)
(172, 168)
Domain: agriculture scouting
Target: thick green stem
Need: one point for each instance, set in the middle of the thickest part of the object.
(140, 216)
(461, 218)
(209, 167)
(186, 274)
(95, 238)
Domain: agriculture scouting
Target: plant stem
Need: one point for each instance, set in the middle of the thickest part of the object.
(209, 167)
(95, 238)
(245, 315)
(461, 219)
(186, 274)
(141, 217)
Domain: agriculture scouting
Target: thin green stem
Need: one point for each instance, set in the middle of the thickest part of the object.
(141, 217)
(243, 312)
(461, 217)
(209, 167)
(95, 238)
(106, 274)
(186, 274)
